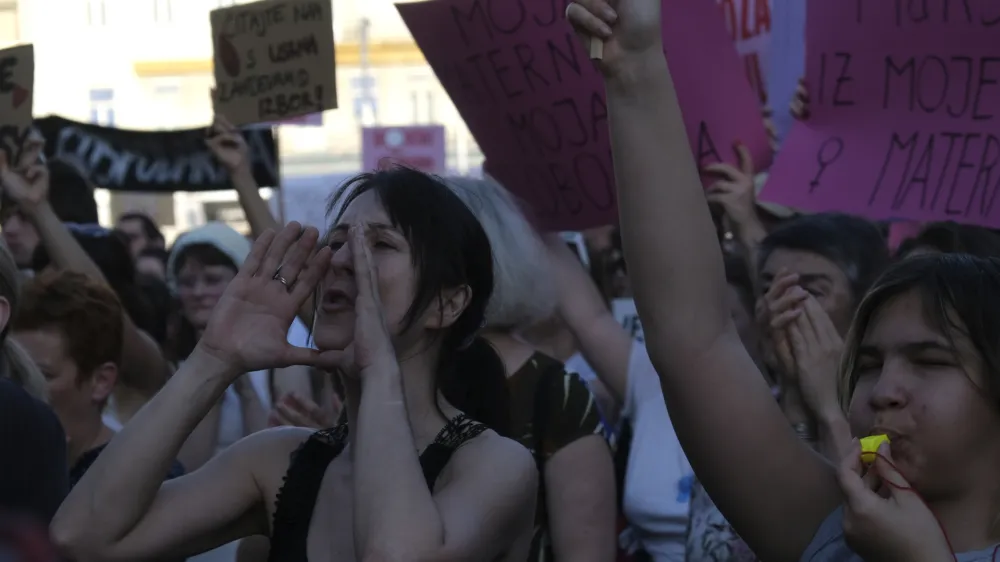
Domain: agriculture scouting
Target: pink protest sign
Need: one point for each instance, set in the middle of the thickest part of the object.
(749, 26)
(904, 113)
(535, 103)
(421, 148)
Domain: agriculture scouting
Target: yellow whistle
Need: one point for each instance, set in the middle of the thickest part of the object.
(869, 447)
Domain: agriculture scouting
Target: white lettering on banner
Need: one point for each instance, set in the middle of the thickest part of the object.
(626, 315)
(193, 169)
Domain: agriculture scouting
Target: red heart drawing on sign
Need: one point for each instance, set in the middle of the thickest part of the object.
(20, 96)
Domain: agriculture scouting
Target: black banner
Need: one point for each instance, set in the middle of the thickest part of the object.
(153, 161)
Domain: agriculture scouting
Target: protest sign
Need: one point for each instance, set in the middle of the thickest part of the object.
(904, 113)
(535, 104)
(17, 83)
(154, 161)
(421, 147)
(749, 25)
(625, 313)
(274, 60)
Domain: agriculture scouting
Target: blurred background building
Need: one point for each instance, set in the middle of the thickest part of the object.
(147, 64)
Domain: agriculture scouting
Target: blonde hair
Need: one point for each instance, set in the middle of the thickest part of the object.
(15, 363)
(523, 293)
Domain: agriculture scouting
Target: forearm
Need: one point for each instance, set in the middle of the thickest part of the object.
(394, 512)
(147, 446)
(670, 243)
(251, 408)
(64, 251)
(257, 212)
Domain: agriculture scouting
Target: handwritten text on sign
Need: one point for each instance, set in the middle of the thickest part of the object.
(905, 117)
(749, 25)
(17, 77)
(274, 60)
(535, 103)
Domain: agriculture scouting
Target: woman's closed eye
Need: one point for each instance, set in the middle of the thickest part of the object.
(935, 361)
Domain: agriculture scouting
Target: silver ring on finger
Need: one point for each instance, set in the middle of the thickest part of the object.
(277, 277)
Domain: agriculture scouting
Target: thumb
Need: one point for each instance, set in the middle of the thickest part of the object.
(856, 493)
(899, 487)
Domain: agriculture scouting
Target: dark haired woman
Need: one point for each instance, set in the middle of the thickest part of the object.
(920, 361)
(404, 287)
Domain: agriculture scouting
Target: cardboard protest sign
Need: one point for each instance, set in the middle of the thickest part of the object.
(153, 161)
(905, 113)
(749, 25)
(17, 83)
(274, 60)
(420, 147)
(535, 104)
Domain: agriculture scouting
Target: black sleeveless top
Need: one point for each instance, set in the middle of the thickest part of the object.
(297, 496)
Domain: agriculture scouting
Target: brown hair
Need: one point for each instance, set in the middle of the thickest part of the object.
(84, 311)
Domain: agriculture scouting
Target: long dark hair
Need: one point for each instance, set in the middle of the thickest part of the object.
(449, 249)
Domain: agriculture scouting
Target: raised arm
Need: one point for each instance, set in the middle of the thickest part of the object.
(739, 443)
(487, 496)
(144, 369)
(230, 148)
(119, 510)
(603, 342)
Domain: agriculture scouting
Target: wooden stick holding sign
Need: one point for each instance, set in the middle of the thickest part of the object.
(596, 49)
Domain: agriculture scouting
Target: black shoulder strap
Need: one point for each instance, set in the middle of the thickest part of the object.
(549, 376)
(297, 496)
(458, 431)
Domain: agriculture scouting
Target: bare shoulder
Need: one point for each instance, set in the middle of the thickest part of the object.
(505, 461)
(268, 454)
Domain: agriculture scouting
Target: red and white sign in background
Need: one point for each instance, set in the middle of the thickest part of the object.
(421, 148)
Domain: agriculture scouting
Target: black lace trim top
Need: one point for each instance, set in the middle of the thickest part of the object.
(297, 496)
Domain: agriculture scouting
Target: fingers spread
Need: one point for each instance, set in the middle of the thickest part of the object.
(257, 252)
(278, 249)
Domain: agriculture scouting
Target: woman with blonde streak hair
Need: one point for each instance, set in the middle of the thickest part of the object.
(553, 413)
(14, 361)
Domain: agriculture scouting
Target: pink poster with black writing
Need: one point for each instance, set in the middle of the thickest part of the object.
(419, 147)
(749, 26)
(905, 113)
(535, 103)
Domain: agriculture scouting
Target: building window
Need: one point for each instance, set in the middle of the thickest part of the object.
(102, 107)
(10, 31)
(163, 11)
(422, 100)
(365, 101)
(97, 12)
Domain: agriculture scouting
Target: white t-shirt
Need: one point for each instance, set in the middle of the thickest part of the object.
(231, 416)
(658, 478)
(577, 364)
